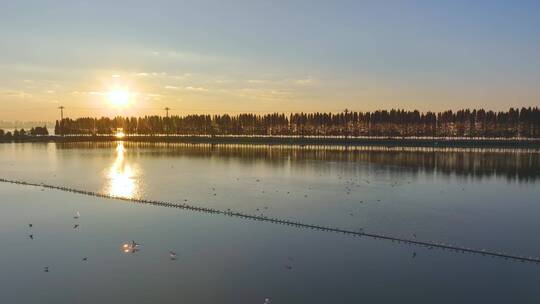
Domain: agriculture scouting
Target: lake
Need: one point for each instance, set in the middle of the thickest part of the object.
(479, 198)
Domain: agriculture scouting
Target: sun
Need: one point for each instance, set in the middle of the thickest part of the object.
(118, 96)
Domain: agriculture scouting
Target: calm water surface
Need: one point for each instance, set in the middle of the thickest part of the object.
(475, 198)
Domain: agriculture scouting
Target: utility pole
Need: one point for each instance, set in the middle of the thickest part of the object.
(346, 111)
(167, 120)
(61, 120)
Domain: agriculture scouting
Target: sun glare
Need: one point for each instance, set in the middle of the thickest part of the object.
(119, 97)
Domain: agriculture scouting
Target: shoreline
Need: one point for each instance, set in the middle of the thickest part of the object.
(294, 141)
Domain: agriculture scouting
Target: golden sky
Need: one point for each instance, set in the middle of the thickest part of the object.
(260, 56)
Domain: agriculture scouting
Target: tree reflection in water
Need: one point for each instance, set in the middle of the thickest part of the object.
(519, 165)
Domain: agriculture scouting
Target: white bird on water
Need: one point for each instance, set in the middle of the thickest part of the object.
(77, 215)
(131, 247)
(172, 254)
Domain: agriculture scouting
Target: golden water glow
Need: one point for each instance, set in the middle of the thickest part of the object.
(121, 175)
(120, 134)
(119, 96)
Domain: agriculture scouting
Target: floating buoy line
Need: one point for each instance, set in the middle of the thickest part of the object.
(292, 223)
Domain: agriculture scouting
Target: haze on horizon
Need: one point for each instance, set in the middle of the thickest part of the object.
(262, 56)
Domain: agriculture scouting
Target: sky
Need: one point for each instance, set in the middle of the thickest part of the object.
(265, 56)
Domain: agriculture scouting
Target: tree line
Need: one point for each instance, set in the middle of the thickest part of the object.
(524, 122)
(18, 133)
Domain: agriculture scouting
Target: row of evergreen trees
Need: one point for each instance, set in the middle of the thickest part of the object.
(35, 131)
(523, 122)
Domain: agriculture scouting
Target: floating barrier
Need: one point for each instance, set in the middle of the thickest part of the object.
(297, 224)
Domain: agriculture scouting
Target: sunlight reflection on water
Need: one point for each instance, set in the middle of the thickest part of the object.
(122, 176)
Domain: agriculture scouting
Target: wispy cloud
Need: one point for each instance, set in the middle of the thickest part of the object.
(199, 89)
(151, 96)
(258, 81)
(151, 74)
(88, 93)
(306, 81)
(283, 81)
(16, 94)
(262, 94)
(185, 56)
(188, 88)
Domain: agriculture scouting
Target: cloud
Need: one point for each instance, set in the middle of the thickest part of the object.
(185, 56)
(88, 93)
(223, 81)
(306, 81)
(283, 81)
(199, 89)
(17, 94)
(263, 94)
(150, 74)
(257, 81)
(152, 96)
(188, 88)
